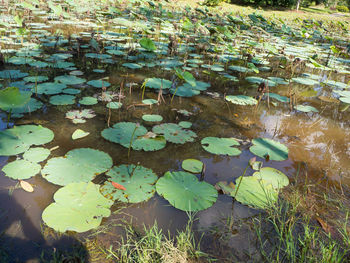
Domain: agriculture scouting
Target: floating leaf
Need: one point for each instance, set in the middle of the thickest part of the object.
(21, 169)
(305, 108)
(192, 166)
(78, 134)
(20, 138)
(152, 117)
(147, 44)
(241, 100)
(26, 186)
(78, 207)
(138, 182)
(174, 133)
(269, 149)
(36, 155)
(272, 176)
(62, 100)
(185, 192)
(12, 98)
(223, 146)
(78, 165)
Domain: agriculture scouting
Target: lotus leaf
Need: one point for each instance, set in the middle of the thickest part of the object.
(152, 117)
(78, 134)
(49, 88)
(278, 97)
(79, 116)
(223, 146)
(255, 192)
(192, 166)
(114, 105)
(71, 91)
(184, 91)
(78, 165)
(13, 98)
(99, 83)
(305, 81)
(149, 142)
(88, 101)
(156, 83)
(21, 169)
(36, 79)
(62, 100)
(78, 207)
(70, 80)
(12, 74)
(241, 100)
(147, 44)
(269, 149)
(272, 176)
(18, 139)
(185, 124)
(137, 180)
(305, 108)
(185, 192)
(132, 65)
(36, 155)
(174, 133)
(149, 101)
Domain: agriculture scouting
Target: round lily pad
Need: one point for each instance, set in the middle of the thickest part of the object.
(305, 81)
(78, 207)
(138, 182)
(18, 139)
(192, 166)
(36, 155)
(62, 100)
(175, 133)
(273, 176)
(49, 88)
(152, 117)
(269, 149)
(99, 83)
(255, 192)
(78, 165)
(132, 65)
(12, 98)
(185, 124)
(185, 192)
(305, 108)
(70, 80)
(21, 169)
(114, 105)
(78, 134)
(149, 101)
(223, 146)
(156, 83)
(88, 101)
(241, 100)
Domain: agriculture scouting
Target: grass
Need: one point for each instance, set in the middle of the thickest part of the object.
(151, 245)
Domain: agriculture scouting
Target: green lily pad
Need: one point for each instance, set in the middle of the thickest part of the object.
(156, 83)
(149, 101)
(78, 165)
(12, 98)
(305, 108)
(78, 134)
(269, 149)
(49, 88)
(71, 91)
(78, 207)
(255, 193)
(147, 44)
(184, 91)
(273, 176)
(137, 180)
(21, 169)
(88, 101)
(241, 99)
(185, 124)
(224, 146)
(152, 117)
(62, 100)
(305, 81)
(36, 155)
(114, 105)
(132, 65)
(174, 133)
(149, 142)
(185, 192)
(278, 97)
(18, 139)
(70, 80)
(99, 83)
(192, 166)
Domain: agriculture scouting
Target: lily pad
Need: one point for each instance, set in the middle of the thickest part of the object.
(273, 176)
(78, 207)
(152, 117)
(99, 83)
(78, 134)
(21, 169)
(185, 192)
(305, 108)
(224, 146)
(36, 155)
(192, 166)
(241, 100)
(78, 165)
(185, 124)
(62, 100)
(269, 149)
(114, 105)
(156, 83)
(88, 101)
(79, 116)
(70, 80)
(12, 98)
(138, 182)
(147, 44)
(18, 139)
(174, 133)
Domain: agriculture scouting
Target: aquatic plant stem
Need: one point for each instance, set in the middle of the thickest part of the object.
(132, 136)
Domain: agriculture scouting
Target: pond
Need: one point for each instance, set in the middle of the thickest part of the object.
(142, 89)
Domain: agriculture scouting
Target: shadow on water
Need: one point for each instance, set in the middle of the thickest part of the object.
(21, 241)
